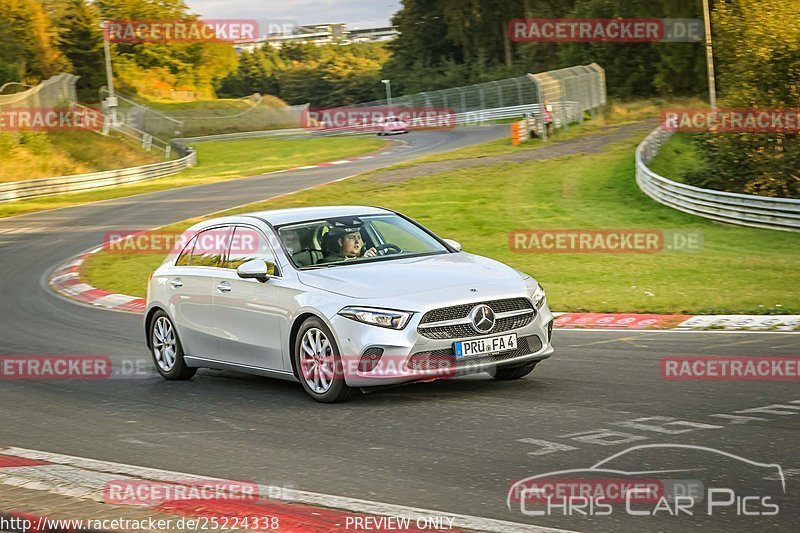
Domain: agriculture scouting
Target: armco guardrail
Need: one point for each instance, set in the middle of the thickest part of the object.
(19, 190)
(477, 118)
(244, 135)
(743, 209)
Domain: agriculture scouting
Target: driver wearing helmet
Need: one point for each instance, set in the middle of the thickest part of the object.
(347, 244)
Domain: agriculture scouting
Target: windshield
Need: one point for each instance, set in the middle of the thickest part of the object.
(357, 239)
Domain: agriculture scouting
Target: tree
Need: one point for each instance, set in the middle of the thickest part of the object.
(758, 65)
(81, 41)
(27, 41)
(157, 68)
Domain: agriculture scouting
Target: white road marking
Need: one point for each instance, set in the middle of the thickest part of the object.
(341, 162)
(23, 230)
(78, 475)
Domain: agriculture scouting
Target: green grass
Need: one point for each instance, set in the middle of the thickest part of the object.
(31, 155)
(614, 114)
(503, 146)
(218, 160)
(677, 158)
(207, 117)
(739, 270)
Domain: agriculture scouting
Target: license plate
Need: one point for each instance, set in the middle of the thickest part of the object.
(503, 343)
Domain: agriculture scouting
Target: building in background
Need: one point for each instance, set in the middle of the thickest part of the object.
(320, 34)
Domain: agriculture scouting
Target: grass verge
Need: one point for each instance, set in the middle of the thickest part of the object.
(218, 160)
(32, 155)
(738, 270)
(679, 157)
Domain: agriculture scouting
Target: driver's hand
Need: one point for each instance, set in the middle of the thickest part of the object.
(372, 252)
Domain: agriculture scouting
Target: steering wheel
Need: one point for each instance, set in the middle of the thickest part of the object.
(383, 249)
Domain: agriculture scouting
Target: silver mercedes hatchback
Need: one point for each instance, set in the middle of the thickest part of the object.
(340, 298)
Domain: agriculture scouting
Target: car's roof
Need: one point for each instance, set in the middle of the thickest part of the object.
(277, 217)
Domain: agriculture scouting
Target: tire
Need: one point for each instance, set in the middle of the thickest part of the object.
(318, 362)
(166, 349)
(507, 373)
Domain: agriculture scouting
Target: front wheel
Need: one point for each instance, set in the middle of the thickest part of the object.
(167, 350)
(318, 363)
(507, 373)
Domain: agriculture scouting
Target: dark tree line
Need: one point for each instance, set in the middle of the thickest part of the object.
(450, 42)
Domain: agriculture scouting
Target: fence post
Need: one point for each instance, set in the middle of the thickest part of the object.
(564, 115)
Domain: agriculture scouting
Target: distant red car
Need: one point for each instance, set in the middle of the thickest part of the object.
(391, 126)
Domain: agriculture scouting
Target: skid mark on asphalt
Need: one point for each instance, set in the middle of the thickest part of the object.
(631, 340)
(179, 434)
(737, 343)
(231, 424)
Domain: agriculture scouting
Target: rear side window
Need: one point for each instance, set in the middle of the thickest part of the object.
(186, 254)
(211, 247)
(208, 248)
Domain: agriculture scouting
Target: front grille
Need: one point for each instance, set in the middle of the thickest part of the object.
(460, 331)
(435, 359)
(465, 330)
(461, 311)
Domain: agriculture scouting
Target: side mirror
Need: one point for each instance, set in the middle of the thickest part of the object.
(256, 269)
(454, 244)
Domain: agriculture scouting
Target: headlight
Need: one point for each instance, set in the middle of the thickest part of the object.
(385, 318)
(537, 296)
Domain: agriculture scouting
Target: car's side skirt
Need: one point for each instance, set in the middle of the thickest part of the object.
(202, 362)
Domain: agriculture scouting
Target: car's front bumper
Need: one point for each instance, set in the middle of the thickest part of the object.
(397, 364)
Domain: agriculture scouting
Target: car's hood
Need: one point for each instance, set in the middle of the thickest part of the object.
(403, 277)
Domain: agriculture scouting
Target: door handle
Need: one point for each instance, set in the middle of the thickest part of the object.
(224, 286)
(176, 283)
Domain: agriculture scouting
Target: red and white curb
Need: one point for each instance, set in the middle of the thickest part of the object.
(66, 281)
(373, 155)
(329, 163)
(780, 323)
(297, 511)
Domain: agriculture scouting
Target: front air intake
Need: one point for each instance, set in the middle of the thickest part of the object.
(369, 359)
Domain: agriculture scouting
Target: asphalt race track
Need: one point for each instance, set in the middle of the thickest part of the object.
(452, 445)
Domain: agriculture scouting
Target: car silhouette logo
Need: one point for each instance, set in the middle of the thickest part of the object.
(482, 318)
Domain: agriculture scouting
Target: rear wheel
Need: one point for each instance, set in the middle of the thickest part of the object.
(318, 363)
(507, 373)
(166, 349)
